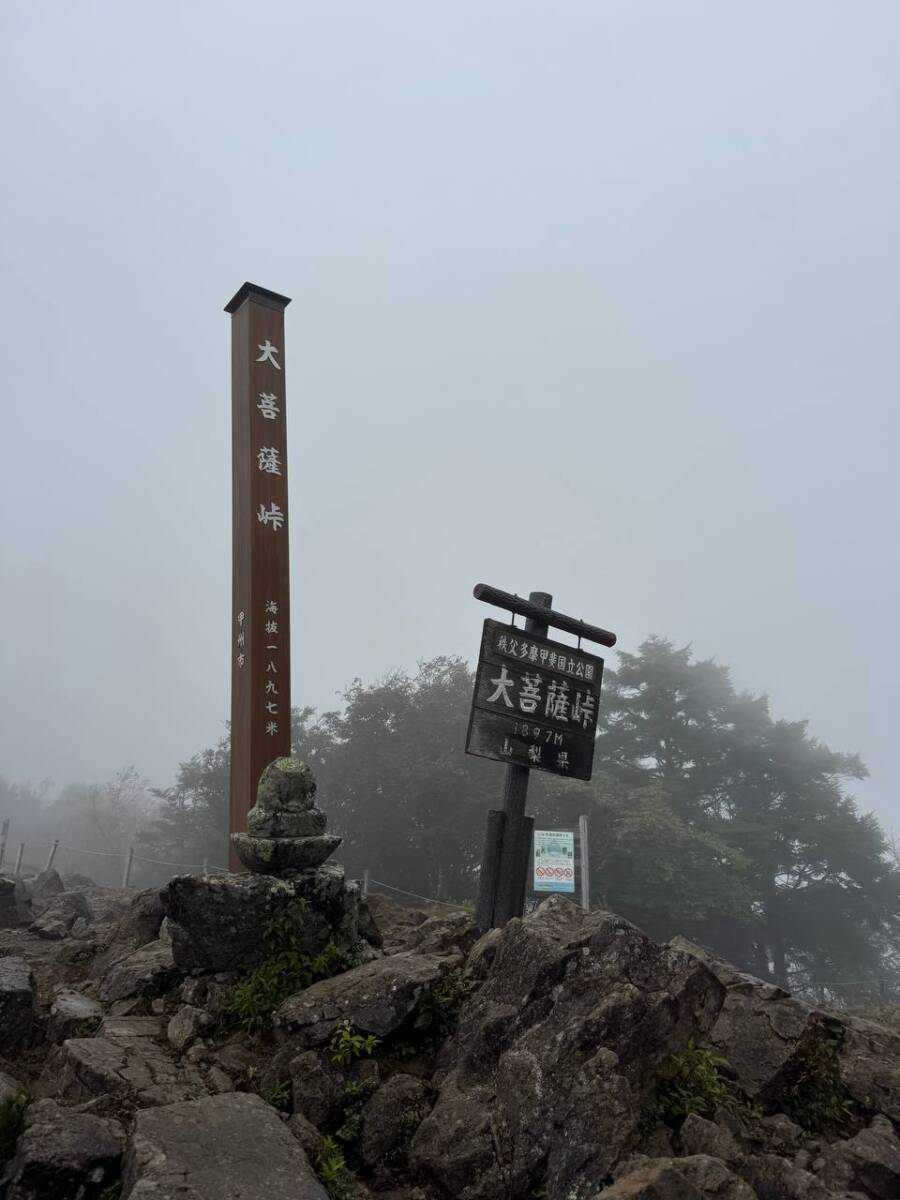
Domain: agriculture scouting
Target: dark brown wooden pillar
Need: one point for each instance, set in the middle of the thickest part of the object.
(260, 627)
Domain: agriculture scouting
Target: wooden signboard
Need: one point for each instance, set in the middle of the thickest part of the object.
(260, 633)
(535, 702)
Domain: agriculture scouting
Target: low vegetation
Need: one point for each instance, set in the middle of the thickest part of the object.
(12, 1116)
(689, 1082)
(811, 1091)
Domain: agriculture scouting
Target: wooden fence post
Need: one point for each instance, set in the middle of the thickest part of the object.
(126, 877)
(19, 857)
(52, 855)
(4, 835)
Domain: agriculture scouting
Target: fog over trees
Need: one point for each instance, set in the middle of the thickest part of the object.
(709, 815)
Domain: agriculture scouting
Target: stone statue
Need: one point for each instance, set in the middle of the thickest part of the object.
(285, 829)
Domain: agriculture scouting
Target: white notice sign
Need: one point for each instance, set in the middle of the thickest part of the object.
(554, 860)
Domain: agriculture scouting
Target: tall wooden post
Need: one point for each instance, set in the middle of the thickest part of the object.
(517, 828)
(260, 630)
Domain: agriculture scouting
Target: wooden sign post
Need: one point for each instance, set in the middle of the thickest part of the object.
(534, 708)
(260, 629)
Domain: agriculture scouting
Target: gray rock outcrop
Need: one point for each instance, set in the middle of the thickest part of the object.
(64, 1155)
(554, 1053)
(376, 997)
(17, 1005)
(15, 903)
(219, 924)
(60, 914)
(229, 1147)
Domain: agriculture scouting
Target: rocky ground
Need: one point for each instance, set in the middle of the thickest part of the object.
(566, 1056)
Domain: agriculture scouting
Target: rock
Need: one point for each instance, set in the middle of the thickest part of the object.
(15, 904)
(555, 1052)
(128, 1030)
(47, 884)
(187, 1026)
(148, 972)
(74, 880)
(70, 1012)
(219, 1081)
(139, 1071)
(276, 856)
(655, 1180)
(219, 924)
(60, 915)
(869, 1056)
(195, 991)
(367, 926)
(139, 925)
(9, 1087)
(450, 935)
(391, 1117)
(306, 1134)
(230, 1147)
(868, 1162)
(394, 920)
(762, 1032)
(711, 1177)
(699, 1136)
(17, 1005)
(377, 997)
(64, 1155)
(287, 788)
(776, 1178)
(317, 1086)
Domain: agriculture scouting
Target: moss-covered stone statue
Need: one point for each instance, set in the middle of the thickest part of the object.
(285, 829)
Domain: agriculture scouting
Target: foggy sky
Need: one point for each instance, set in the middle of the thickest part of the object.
(596, 298)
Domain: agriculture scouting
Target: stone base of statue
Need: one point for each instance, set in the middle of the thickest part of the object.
(220, 923)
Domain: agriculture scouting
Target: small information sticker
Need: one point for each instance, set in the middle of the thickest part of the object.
(554, 860)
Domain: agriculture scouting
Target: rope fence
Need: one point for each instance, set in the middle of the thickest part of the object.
(130, 856)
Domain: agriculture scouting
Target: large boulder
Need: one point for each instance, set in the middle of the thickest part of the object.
(556, 1052)
(377, 998)
(149, 971)
(220, 924)
(391, 1116)
(15, 903)
(766, 1035)
(47, 884)
(60, 914)
(228, 1147)
(869, 1162)
(64, 1155)
(17, 1005)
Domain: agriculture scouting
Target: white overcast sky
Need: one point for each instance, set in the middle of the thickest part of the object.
(599, 298)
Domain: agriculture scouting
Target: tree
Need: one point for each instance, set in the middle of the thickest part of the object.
(818, 871)
(394, 779)
(192, 821)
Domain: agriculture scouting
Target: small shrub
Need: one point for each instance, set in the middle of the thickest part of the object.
(282, 931)
(12, 1116)
(252, 1002)
(278, 1094)
(810, 1090)
(346, 1044)
(332, 1170)
(433, 1022)
(689, 1082)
